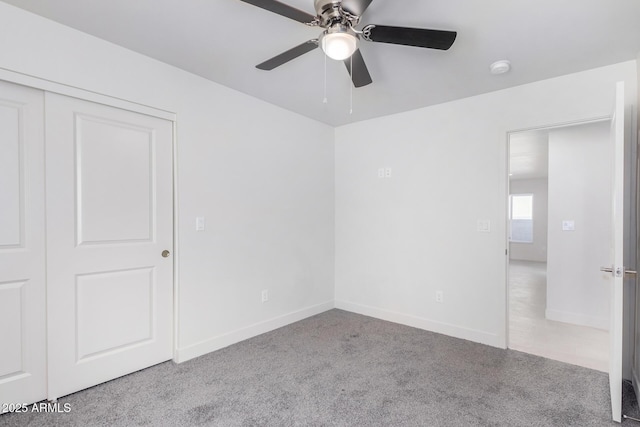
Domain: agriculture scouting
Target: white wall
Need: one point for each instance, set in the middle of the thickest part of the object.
(579, 191)
(262, 176)
(401, 239)
(537, 250)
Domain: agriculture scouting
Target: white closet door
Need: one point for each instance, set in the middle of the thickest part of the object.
(109, 219)
(22, 285)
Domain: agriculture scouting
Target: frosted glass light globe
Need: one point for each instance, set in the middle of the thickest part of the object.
(339, 45)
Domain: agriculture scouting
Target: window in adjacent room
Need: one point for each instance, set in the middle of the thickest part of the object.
(521, 218)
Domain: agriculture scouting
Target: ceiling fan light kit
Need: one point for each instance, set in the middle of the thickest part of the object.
(339, 40)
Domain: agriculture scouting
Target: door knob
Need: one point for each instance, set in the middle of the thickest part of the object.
(165, 253)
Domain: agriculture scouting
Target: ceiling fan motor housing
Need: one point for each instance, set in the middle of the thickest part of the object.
(330, 13)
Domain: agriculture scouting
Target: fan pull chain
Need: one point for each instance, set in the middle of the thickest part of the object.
(351, 85)
(324, 100)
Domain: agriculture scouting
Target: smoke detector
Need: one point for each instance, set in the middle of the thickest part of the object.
(500, 67)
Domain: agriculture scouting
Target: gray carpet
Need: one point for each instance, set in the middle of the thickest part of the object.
(343, 369)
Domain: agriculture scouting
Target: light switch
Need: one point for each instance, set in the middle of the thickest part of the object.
(568, 225)
(381, 173)
(484, 226)
(200, 223)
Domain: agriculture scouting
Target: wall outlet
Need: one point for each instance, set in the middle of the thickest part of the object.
(384, 172)
(439, 296)
(265, 295)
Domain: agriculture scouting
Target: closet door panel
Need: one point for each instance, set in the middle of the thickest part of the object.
(22, 246)
(110, 218)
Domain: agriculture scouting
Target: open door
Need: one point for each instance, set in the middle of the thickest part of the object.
(617, 269)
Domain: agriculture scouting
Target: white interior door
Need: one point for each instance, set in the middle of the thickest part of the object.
(617, 247)
(22, 281)
(109, 219)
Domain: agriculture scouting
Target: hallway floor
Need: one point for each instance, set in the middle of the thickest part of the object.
(531, 332)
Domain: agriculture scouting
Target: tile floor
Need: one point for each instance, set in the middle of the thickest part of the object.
(530, 332)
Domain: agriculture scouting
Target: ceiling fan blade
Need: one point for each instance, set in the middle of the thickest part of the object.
(289, 55)
(420, 37)
(360, 74)
(356, 7)
(283, 9)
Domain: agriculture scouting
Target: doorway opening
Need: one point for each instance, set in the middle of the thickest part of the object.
(559, 234)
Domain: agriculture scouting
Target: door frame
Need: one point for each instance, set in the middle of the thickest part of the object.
(508, 134)
(123, 104)
(635, 351)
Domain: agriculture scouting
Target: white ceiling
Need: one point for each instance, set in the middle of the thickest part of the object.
(223, 40)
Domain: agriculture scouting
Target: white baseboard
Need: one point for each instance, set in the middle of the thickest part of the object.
(577, 319)
(422, 323)
(225, 340)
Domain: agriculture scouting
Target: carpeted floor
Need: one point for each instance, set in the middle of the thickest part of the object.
(343, 369)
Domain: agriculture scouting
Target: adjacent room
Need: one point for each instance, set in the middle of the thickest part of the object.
(558, 299)
(328, 212)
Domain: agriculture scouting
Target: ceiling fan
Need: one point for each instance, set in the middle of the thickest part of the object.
(339, 40)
